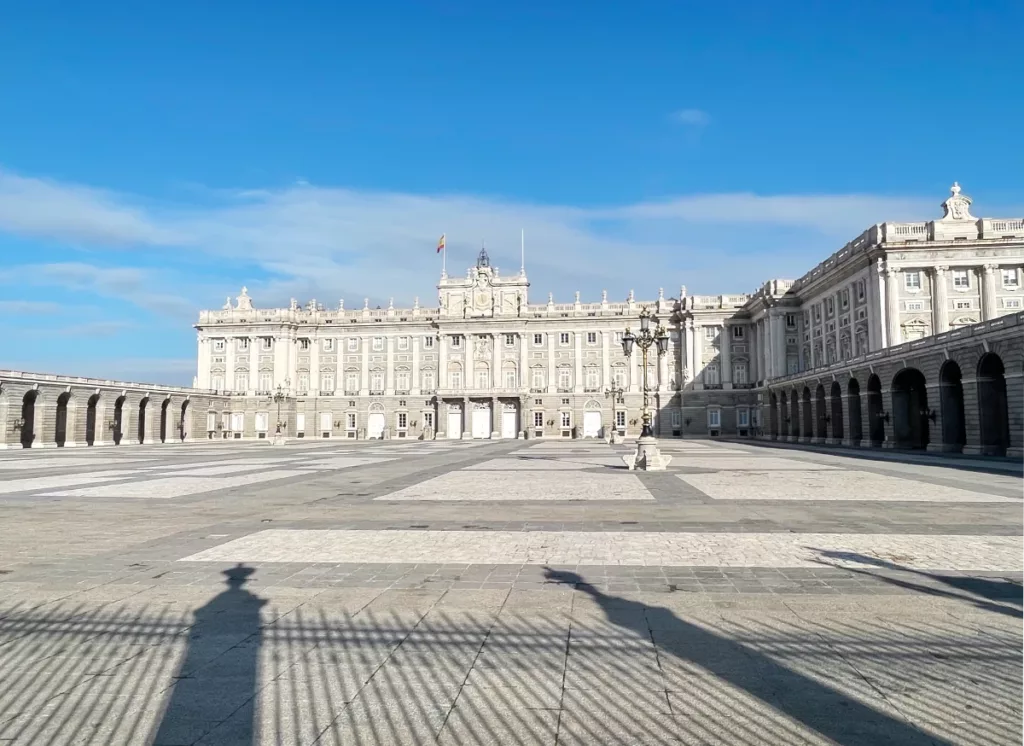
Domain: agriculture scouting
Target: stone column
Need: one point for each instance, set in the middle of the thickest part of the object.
(552, 383)
(577, 353)
(414, 384)
(254, 363)
(495, 418)
(102, 435)
(752, 352)
(778, 322)
(698, 353)
(892, 302)
(940, 300)
(877, 311)
(467, 418)
(686, 351)
(524, 362)
(725, 344)
(988, 292)
(497, 341)
(389, 365)
(364, 375)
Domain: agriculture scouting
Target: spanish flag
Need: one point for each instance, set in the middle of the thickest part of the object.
(440, 244)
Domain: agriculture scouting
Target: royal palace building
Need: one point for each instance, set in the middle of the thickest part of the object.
(490, 362)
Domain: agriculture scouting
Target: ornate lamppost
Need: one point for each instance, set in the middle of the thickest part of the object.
(616, 393)
(647, 456)
(279, 396)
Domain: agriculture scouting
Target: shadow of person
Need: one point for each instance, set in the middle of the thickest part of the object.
(220, 669)
(830, 712)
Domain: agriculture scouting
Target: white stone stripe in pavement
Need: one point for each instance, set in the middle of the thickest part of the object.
(923, 552)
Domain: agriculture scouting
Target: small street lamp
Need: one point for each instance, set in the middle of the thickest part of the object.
(279, 396)
(647, 456)
(616, 393)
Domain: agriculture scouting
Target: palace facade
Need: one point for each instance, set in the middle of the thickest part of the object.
(486, 362)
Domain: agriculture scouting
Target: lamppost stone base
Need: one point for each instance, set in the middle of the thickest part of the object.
(647, 456)
(617, 438)
(277, 439)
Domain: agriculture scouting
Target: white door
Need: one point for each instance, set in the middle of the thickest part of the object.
(375, 425)
(326, 422)
(508, 423)
(482, 423)
(455, 425)
(300, 422)
(591, 424)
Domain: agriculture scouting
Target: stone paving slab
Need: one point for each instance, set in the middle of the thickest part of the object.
(522, 486)
(167, 487)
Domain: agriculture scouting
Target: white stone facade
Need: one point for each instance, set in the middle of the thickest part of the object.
(486, 363)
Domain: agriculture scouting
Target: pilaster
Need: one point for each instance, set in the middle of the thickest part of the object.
(725, 346)
(940, 299)
(988, 291)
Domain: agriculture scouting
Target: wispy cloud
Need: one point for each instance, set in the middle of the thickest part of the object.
(331, 242)
(28, 307)
(692, 117)
(168, 371)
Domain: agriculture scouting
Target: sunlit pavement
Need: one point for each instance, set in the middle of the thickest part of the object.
(468, 592)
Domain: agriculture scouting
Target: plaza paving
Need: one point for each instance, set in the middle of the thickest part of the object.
(468, 592)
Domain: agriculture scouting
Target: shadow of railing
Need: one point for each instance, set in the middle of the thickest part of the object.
(354, 666)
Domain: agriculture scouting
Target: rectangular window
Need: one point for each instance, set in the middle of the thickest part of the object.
(455, 379)
(303, 385)
(350, 420)
(217, 384)
(266, 381)
(1010, 278)
(351, 382)
(619, 377)
(483, 379)
(829, 306)
(243, 344)
(510, 379)
(378, 344)
(353, 344)
(300, 422)
(743, 417)
(791, 321)
(564, 378)
(737, 331)
(428, 343)
(1011, 302)
(510, 340)
(912, 280)
(327, 383)
(844, 299)
(714, 418)
(961, 278)
(376, 381)
(677, 418)
(593, 378)
(538, 340)
(428, 380)
(537, 378)
(563, 338)
(218, 345)
(268, 343)
(739, 373)
(860, 290)
(620, 418)
(237, 421)
(241, 381)
(402, 380)
(566, 419)
(456, 340)
(962, 305)
(915, 305)
(428, 420)
(303, 344)
(710, 332)
(538, 419)
(262, 422)
(328, 345)
(591, 338)
(403, 420)
(403, 343)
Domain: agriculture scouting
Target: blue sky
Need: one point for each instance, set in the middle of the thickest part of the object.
(156, 157)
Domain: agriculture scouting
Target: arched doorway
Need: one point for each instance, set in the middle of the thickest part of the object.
(592, 424)
(783, 415)
(837, 410)
(951, 404)
(808, 423)
(910, 409)
(118, 419)
(992, 405)
(163, 420)
(60, 429)
(90, 419)
(794, 416)
(28, 418)
(141, 429)
(876, 427)
(773, 416)
(376, 422)
(853, 405)
(183, 428)
(820, 415)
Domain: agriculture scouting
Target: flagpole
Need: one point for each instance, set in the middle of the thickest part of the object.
(444, 256)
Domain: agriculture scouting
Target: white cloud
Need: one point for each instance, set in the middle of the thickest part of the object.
(168, 371)
(28, 307)
(334, 242)
(692, 117)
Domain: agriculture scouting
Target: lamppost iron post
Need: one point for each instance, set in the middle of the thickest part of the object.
(647, 456)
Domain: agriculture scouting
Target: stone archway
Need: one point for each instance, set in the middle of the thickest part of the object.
(141, 426)
(807, 427)
(783, 415)
(876, 426)
(993, 411)
(163, 419)
(118, 419)
(820, 414)
(28, 418)
(90, 419)
(951, 404)
(773, 416)
(853, 405)
(60, 423)
(183, 428)
(836, 397)
(910, 409)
